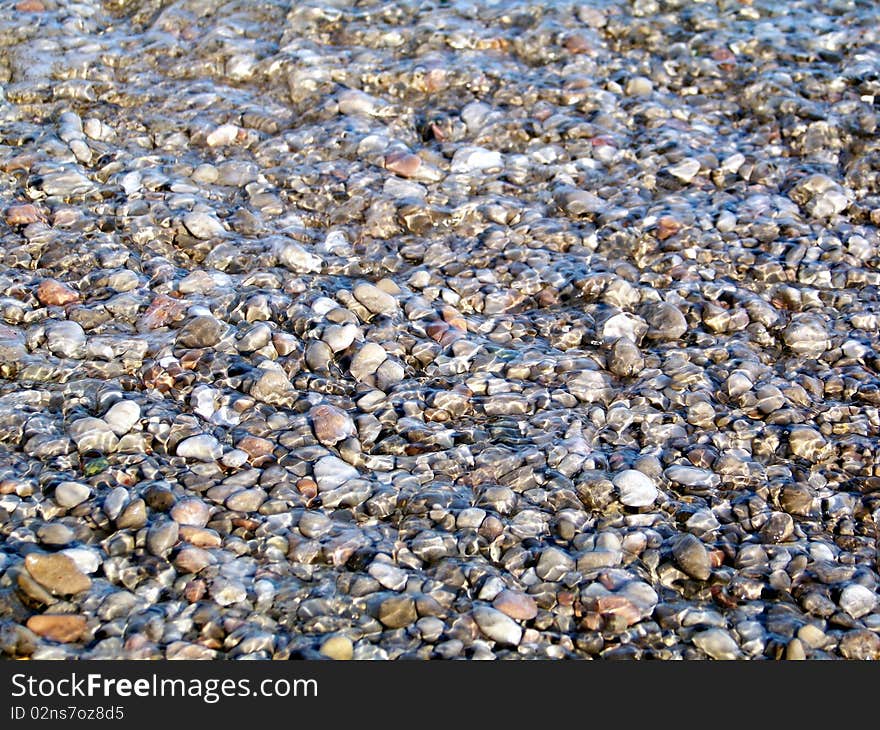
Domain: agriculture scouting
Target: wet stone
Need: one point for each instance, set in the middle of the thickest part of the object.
(497, 626)
(636, 489)
(57, 573)
(397, 612)
(63, 628)
(516, 605)
(692, 557)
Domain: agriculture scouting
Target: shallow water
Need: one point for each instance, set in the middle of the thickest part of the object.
(590, 290)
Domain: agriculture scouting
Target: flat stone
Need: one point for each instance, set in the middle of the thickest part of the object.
(691, 476)
(389, 576)
(70, 494)
(857, 600)
(203, 225)
(272, 387)
(553, 564)
(191, 511)
(686, 170)
(374, 299)
(93, 434)
(122, 416)
(63, 628)
(331, 472)
(692, 557)
(367, 360)
(200, 448)
(397, 612)
(52, 293)
(471, 159)
(58, 573)
(162, 536)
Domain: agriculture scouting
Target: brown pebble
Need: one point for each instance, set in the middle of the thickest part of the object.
(58, 573)
(63, 628)
(22, 214)
(194, 590)
(576, 43)
(308, 488)
(256, 447)
(667, 226)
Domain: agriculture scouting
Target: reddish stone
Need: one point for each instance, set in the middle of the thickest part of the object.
(667, 226)
(30, 6)
(308, 488)
(403, 163)
(435, 79)
(618, 606)
(199, 536)
(518, 606)
(162, 311)
(52, 293)
(255, 446)
(436, 330)
(23, 214)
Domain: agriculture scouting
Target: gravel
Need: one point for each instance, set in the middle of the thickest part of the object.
(480, 330)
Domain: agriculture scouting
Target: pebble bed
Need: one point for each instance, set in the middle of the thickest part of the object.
(433, 329)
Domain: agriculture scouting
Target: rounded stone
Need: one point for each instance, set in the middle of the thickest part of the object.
(636, 489)
(70, 494)
(58, 573)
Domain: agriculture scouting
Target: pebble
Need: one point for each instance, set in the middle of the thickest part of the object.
(122, 416)
(66, 339)
(486, 331)
(553, 565)
(70, 494)
(518, 606)
(625, 359)
(636, 489)
(331, 424)
(93, 435)
(202, 225)
(397, 612)
(57, 573)
(497, 626)
(339, 648)
(191, 511)
(332, 472)
(161, 537)
(692, 557)
(718, 644)
(52, 293)
(367, 360)
(472, 159)
(63, 628)
(639, 86)
(857, 600)
(202, 448)
(686, 170)
(374, 299)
